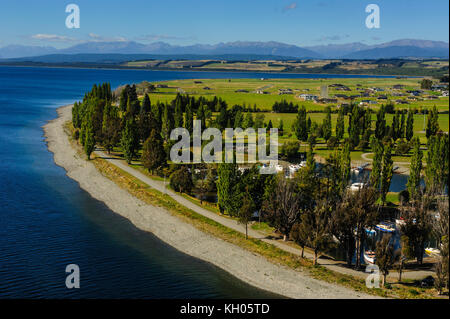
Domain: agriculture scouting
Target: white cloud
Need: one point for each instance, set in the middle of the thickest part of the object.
(99, 38)
(290, 6)
(52, 38)
(335, 37)
(162, 37)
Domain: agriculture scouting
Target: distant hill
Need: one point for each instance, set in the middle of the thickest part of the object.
(338, 50)
(115, 58)
(255, 48)
(399, 52)
(394, 49)
(16, 51)
(356, 50)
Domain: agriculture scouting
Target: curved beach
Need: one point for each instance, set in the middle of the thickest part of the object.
(248, 267)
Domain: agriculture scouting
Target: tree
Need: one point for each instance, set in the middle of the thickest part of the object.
(299, 126)
(402, 125)
(248, 122)
(181, 180)
(380, 125)
(203, 114)
(409, 125)
(146, 105)
(153, 154)
(415, 170)
(222, 118)
(228, 178)
(259, 121)
(326, 125)
(345, 165)
(432, 123)
(89, 142)
(375, 175)
(238, 119)
(110, 127)
(202, 188)
(340, 125)
(281, 128)
(282, 206)
(437, 169)
(316, 225)
(354, 126)
(146, 123)
(189, 118)
(403, 254)
(386, 172)
(246, 212)
(124, 98)
(426, 84)
(299, 234)
(178, 116)
(133, 106)
(441, 232)
(417, 227)
(130, 139)
(167, 122)
(396, 126)
(353, 214)
(385, 257)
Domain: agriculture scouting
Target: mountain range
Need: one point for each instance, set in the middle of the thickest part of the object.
(404, 48)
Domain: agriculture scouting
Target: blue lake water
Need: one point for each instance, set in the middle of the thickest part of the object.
(48, 222)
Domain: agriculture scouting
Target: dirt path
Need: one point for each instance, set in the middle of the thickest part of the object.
(404, 166)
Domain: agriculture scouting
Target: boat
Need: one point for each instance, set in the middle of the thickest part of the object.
(385, 228)
(369, 256)
(399, 222)
(356, 186)
(432, 252)
(371, 231)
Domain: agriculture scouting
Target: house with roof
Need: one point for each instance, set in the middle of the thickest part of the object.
(308, 97)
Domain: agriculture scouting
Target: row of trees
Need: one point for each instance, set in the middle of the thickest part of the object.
(359, 126)
(131, 124)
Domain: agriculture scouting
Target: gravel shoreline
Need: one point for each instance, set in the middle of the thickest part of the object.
(250, 268)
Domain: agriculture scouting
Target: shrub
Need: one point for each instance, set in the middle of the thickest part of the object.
(290, 149)
(403, 197)
(181, 180)
(76, 134)
(402, 148)
(362, 144)
(332, 142)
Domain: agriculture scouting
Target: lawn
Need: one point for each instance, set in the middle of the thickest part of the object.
(226, 89)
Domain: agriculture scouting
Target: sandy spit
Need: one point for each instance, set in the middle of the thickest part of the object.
(250, 268)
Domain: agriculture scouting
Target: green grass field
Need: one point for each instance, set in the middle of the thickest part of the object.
(226, 89)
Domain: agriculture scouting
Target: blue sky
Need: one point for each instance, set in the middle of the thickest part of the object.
(304, 23)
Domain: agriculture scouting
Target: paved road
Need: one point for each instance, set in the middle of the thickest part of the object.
(233, 224)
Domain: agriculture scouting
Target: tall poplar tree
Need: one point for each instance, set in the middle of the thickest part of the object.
(432, 123)
(299, 126)
(228, 177)
(386, 172)
(376, 164)
(130, 139)
(340, 125)
(409, 132)
(415, 170)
